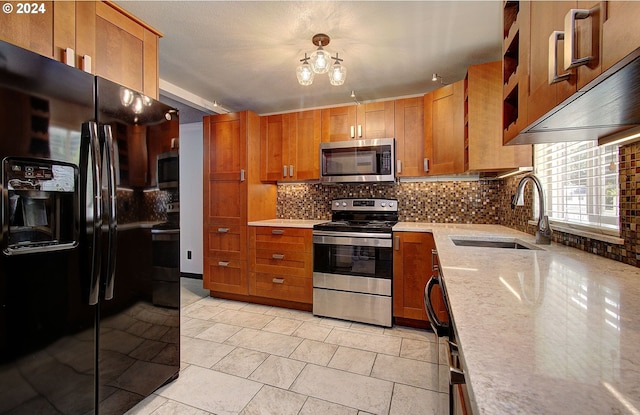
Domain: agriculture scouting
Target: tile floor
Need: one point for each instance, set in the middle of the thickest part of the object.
(241, 358)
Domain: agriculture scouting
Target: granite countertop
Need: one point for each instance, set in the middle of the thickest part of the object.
(288, 223)
(549, 331)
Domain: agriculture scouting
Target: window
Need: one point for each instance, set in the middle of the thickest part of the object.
(580, 183)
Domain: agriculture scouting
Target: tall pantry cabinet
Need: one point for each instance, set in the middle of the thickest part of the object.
(233, 195)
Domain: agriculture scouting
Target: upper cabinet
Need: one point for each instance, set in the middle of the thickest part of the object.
(126, 50)
(551, 50)
(97, 37)
(409, 136)
(483, 129)
(364, 121)
(444, 129)
(289, 146)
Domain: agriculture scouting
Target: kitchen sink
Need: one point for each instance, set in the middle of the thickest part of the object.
(505, 243)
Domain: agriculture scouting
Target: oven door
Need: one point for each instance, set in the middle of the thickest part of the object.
(363, 255)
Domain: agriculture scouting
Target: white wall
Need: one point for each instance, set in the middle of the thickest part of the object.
(191, 198)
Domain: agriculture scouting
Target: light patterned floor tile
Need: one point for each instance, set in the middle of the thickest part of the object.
(365, 341)
(314, 406)
(348, 389)
(218, 332)
(411, 400)
(202, 352)
(353, 360)
(242, 318)
(278, 371)
(263, 341)
(314, 352)
(282, 325)
(418, 350)
(312, 331)
(241, 362)
(211, 391)
(274, 401)
(406, 371)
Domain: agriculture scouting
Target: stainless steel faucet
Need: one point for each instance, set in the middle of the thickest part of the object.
(543, 235)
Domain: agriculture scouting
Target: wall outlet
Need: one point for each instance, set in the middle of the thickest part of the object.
(188, 254)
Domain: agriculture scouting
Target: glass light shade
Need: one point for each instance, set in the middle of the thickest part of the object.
(304, 74)
(337, 74)
(320, 60)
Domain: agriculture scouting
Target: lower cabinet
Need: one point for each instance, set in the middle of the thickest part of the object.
(281, 263)
(413, 256)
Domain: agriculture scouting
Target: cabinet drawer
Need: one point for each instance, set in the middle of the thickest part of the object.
(281, 262)
(226, 275)
(282, 287)
(283, 239)
(229, 241)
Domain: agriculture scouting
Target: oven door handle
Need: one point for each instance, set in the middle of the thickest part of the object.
(439, 327)
(360, 240)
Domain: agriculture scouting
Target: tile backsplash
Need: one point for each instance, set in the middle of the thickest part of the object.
(474, 202)
(442, 202)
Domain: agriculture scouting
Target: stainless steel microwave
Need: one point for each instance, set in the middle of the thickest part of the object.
(358, 161)
(168, 170)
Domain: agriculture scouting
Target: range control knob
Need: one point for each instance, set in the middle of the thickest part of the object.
(390, 204)
(344, 204)
(383, 204)
(337, 204)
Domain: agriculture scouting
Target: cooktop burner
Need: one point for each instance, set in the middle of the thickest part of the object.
(364, 215)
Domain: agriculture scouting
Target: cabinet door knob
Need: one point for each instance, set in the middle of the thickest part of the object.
(396, 243)
(398, 166)
(290, 170)
(284, 171)
(70, 57)
(353, 131)
(425, 164)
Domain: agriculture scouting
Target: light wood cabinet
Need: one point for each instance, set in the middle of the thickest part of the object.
(364, 121)
(483, 130)
(232, 195)
(281, 263)
(528, 93)
(290, 145)
(412, 268)
(409, 124)
(126, 51)
(119, 47)
(444, 129)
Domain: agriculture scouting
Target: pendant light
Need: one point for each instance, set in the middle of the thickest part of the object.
(337, 72)
(320, 58)
(304, 72)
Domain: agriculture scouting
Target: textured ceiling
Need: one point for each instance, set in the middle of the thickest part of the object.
(243, 54)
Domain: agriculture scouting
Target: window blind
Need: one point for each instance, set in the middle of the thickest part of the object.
(580, 182)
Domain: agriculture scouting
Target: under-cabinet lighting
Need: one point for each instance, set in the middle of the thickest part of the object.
(623, 137)
(515, 172)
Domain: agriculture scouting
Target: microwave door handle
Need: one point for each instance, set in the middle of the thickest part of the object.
(96, 173)
(111, 205)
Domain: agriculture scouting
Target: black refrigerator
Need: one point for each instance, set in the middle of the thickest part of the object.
(80, 332)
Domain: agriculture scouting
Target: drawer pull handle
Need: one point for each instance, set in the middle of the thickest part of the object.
(570, 59)
(278, 280)
(553, 58)
(223, 230)
(223, 263)
(277, 232)
(277, 256)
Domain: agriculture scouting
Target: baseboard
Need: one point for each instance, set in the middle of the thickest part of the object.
(190, 275)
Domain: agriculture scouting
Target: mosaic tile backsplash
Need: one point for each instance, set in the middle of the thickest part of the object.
(474, 202)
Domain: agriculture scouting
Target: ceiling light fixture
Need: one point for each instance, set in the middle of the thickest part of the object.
(319, 62)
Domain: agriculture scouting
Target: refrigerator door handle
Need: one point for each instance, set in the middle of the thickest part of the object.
(111, 206)
(96, 166)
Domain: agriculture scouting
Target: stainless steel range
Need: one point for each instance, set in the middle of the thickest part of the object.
(353, 261)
